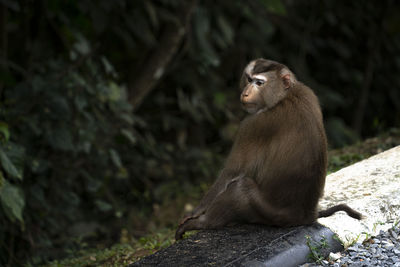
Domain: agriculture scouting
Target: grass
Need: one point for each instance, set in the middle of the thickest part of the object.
(119, 255)
(316, 248)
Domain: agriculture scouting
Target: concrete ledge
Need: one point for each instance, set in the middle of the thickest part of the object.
(372, 187)
(245, 245)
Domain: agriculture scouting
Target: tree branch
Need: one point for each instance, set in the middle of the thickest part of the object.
(365, 89)
(373, 51)
(171, 37)
(3, 40)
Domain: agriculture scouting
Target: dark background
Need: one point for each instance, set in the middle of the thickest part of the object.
(110, 110)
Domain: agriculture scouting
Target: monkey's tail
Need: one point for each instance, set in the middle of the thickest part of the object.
(341, 207)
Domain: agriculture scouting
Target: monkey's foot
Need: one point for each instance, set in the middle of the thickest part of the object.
(183, 224)
(179, 233)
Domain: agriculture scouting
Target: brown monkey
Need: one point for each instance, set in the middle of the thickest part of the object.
(275, 172)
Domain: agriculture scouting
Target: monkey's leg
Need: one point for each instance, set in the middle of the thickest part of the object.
(241, 201)
(219, 186)
(211, 219)
(238, 200)
(219, 213)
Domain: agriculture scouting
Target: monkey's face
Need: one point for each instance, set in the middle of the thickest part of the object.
(264, 83)
(252, 96)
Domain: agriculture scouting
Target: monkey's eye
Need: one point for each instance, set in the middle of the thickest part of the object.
(259, 82)
(249, 79)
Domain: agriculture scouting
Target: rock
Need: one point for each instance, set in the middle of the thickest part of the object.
(334, 256)
(393, 234)
(246, 245)
(377, 197)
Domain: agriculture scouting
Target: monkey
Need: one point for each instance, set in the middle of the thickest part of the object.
(275, 172)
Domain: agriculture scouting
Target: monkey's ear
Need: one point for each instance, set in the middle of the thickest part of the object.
(287, 78)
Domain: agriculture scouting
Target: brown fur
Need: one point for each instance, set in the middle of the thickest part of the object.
(275, 172)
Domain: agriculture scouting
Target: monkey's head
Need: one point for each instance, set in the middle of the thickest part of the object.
(264, 84)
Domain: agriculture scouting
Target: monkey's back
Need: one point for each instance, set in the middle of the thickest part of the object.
(287, 155)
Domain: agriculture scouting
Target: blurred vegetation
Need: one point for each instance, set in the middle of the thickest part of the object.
(110, 110)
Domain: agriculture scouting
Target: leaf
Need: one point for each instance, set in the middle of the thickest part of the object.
(72, 198)
(80, 102)
(115, 158)
(274, 6)
(73, 55)
(8, 166)
(219, 100)
(16, 154)
(4, 130)
(202, 32)
(226, 29)
(59, 107)
(127, 118)
(61, 138)
(82, 45)
(12, 200)
(2, 180)
(152, 13)
(92, 184)
(128, 135)
(103, 206)
(107, 66)
(114, 91)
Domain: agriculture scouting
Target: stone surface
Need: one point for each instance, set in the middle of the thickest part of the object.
(246, 245)
(372, 187)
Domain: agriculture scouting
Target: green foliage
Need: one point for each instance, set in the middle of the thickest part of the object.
(11, 158)
(116, 256)
(12, 200)
(4, 131)
(8, 165)
(65, 123)
(74, 157)
(317, 248)
(338, 162)
(156, 242)
(274, 6)
(119, 254)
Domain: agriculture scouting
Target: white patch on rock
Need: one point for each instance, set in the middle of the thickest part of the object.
(371, 187)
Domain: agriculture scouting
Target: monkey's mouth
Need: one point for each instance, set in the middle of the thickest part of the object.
(250, 107)
(249, 104)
